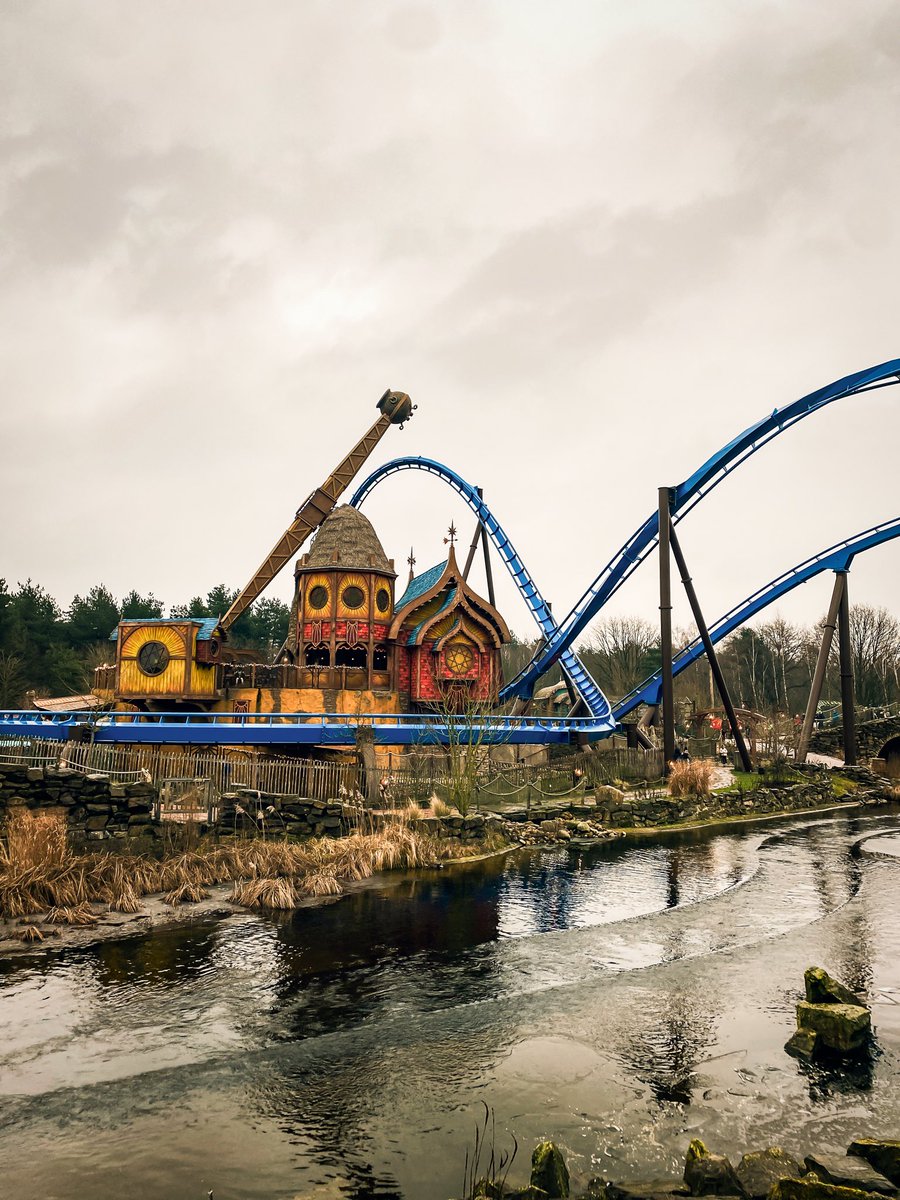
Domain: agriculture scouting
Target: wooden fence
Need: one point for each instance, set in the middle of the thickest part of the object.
(415, 778)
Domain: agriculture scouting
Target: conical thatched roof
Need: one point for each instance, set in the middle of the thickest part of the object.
(349, 535)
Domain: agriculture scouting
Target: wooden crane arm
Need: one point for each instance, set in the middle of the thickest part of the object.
(396, 408)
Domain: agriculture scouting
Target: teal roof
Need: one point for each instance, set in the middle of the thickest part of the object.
(411, 640)
(204, 633)
(420, 585)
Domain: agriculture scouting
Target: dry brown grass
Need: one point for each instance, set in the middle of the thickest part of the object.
(691, 778)
(39, 871)
(81, 914)
(185, 893)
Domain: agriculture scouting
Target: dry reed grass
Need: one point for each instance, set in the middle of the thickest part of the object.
(81, 914)
(39, 871)
(691, 778)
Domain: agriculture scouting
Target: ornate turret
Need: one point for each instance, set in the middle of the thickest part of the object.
(345, 601)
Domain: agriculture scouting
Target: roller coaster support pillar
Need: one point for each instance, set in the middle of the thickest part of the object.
(665, 626)
(848, 700)
(482, 536)
(711, 655)
(815, 691)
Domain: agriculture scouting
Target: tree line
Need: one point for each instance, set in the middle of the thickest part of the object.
(767, 667)
(53, 651)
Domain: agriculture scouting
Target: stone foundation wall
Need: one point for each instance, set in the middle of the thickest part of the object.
(95, 807)
(246, 813)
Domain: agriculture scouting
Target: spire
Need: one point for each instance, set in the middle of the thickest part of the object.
(412, 562)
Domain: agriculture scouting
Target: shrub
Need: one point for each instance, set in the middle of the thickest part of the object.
(691, 778)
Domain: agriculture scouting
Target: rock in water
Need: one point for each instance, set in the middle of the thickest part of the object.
(883, 1156)
(549, 1171)
(822, 988)
(810, 1187)
(760, 1170)
(656, 1189)
(709, 1174)
(840, 1027)
(849, 1172)
(802, 1044)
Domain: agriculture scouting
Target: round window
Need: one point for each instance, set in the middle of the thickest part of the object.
(318, 596)
(353, 596)
(153, 658)
(382, 600)
(459, 659)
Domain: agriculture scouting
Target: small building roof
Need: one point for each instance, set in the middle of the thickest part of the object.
(62, 704)
(420, 585)
(206, 625)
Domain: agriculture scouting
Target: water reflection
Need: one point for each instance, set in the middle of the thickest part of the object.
(675, 1032)
(344, 1047)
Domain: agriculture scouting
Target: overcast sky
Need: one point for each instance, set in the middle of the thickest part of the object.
(592, 240)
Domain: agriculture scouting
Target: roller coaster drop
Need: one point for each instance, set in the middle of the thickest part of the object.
(603, 718)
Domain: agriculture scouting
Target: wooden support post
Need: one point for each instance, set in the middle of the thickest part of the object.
(665, 627)
(848, 699)
(710, 649)
(815, 691)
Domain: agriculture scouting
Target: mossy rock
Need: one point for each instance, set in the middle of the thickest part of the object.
(840, 1027)
(549, 1171)
(708, 1174)
(655, 1189)
(810, 1187)
(822, 988)
(883, 1156)
(802, 1044)
(761, 1169)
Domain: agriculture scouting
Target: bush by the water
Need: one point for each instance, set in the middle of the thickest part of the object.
(691, 778)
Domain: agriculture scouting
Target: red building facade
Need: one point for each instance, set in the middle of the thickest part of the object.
(438, 645)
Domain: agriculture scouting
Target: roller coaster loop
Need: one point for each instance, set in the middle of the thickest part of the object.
(560, 638)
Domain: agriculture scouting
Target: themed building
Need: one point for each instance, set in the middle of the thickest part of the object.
(352, 646)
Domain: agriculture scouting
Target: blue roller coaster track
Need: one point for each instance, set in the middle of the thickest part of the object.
(418, 729)
(597, 704)
(835, 558)
(684, 498)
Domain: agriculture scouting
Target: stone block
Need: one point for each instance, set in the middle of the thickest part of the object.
(884, 1156)
(654, 1189)
(802, 1044)
(822, 988)
(812, 1188)
(760, 1170)
(849, 1172)
(840, 1027)
(708, 1174)
(96, 822)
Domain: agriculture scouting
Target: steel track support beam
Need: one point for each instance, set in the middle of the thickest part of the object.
(818, 679)
(848, 699)
(487, 567)
(711, 656)
(665, 626)
(476, 537)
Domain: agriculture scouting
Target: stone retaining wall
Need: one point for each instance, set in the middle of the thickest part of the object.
(871, 736)
(95, 807)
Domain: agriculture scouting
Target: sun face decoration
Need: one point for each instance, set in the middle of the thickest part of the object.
(459, 658)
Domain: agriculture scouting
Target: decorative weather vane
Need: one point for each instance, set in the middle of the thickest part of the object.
(452, 535)
(412, 562)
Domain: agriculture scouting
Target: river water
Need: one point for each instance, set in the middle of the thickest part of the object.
(620, 999)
